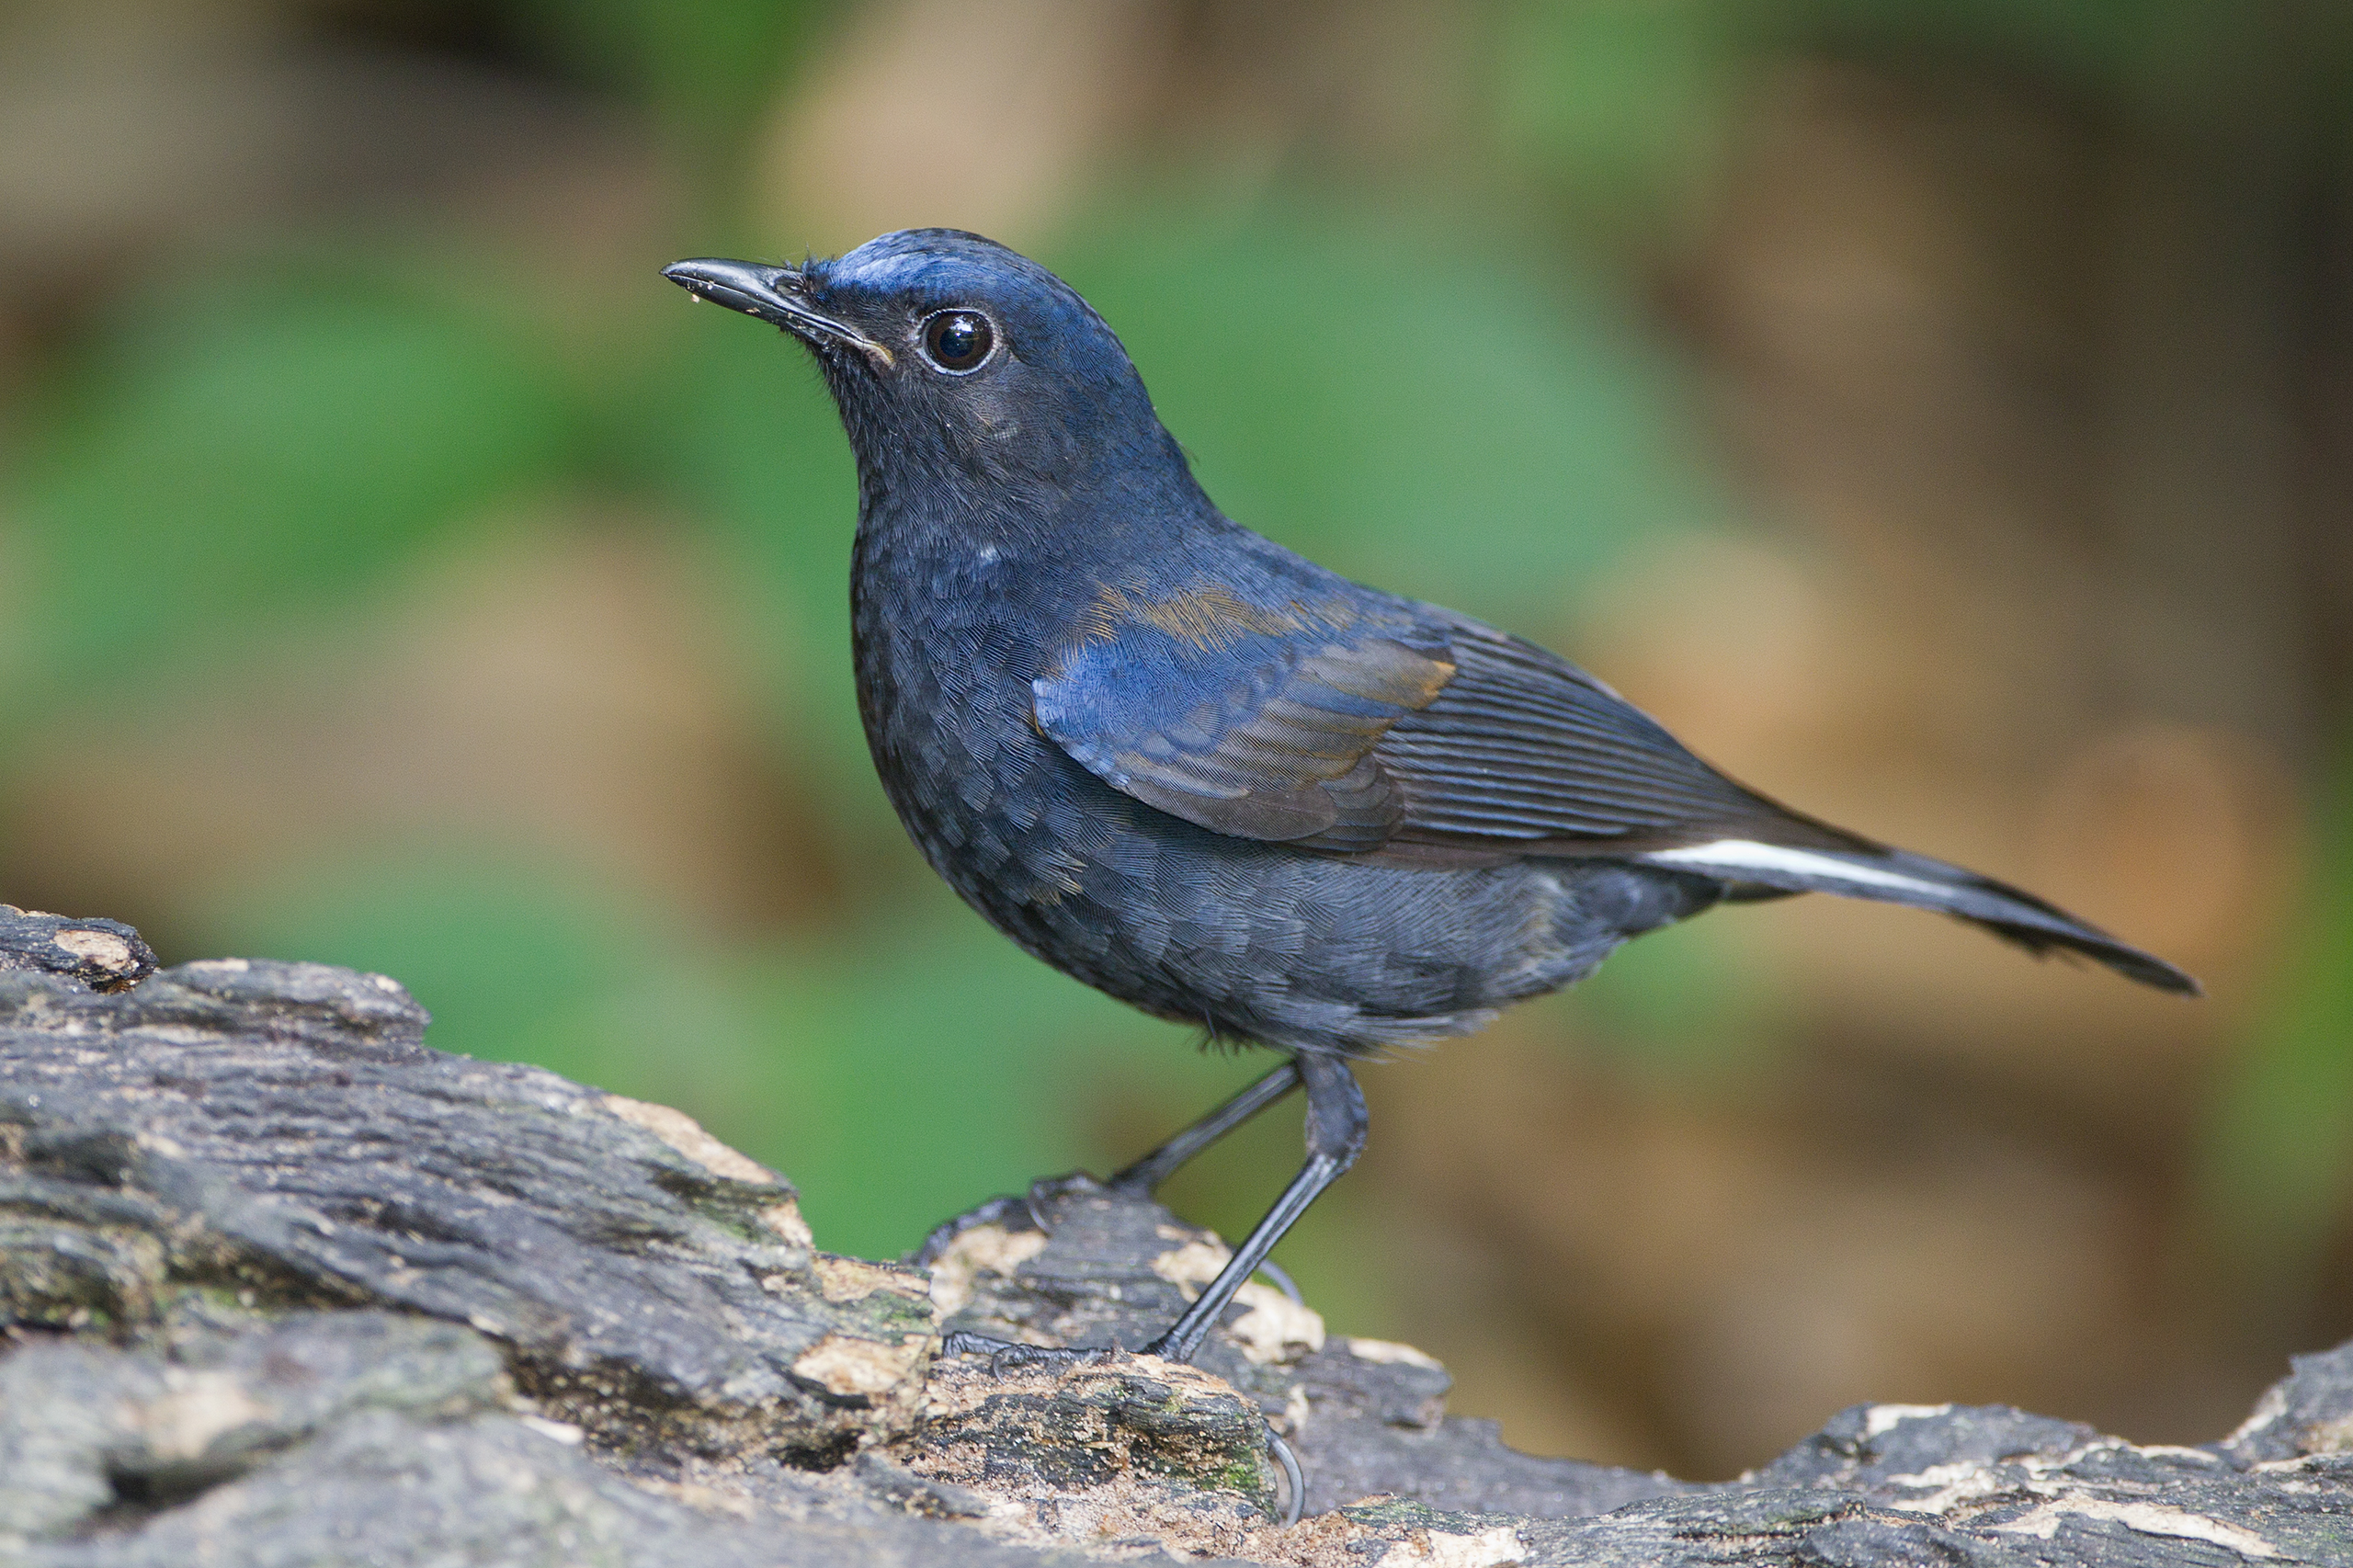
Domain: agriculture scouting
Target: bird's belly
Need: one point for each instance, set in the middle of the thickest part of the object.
(1259, 940)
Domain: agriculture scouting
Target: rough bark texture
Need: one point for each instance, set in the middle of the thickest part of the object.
(278, 1284)
(104, 955)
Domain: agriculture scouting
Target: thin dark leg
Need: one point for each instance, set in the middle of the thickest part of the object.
(1147, 1173)
(1020, 1210)
(1336, 1122)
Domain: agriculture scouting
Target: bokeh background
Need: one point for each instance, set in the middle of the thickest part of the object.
(1941, 412)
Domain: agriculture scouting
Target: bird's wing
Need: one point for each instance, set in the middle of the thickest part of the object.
(1426, 740)
(1251, 717)
(1523, 750)
(1320, 724)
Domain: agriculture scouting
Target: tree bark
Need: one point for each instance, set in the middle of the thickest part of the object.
(276, 1278)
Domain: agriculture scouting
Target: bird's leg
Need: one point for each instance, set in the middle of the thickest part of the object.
(1146, 1175)
(1021, 1211)
(1336, 1123)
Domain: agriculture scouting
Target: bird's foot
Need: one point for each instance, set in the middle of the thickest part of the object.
(1015, 1211)
(1011, 1355)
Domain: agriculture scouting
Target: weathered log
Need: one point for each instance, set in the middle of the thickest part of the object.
(102, 955)
(276, 1279)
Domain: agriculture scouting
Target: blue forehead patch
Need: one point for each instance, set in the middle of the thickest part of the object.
(944, 265)
(928, 261)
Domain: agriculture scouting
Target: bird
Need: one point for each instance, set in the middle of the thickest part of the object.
(1216, 780)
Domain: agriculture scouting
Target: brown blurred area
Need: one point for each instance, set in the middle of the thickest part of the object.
(2023, 360)
(2053, 414)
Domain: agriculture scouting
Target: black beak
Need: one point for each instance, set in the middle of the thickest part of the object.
(773, 294)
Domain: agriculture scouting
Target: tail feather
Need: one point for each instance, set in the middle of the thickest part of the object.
(1897, 876)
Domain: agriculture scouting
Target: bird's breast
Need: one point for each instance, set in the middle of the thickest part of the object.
(945, 650)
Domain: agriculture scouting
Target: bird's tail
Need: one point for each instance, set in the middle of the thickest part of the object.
(1897, 876)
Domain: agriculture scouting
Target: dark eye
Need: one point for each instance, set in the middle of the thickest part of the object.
(958, 340)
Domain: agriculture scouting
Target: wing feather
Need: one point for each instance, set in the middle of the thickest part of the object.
(1524, 749)
(1317, 725)
(1278, 709)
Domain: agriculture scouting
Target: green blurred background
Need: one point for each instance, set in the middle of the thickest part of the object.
(1939, 411)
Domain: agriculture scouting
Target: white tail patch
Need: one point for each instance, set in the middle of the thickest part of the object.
(1734, 856)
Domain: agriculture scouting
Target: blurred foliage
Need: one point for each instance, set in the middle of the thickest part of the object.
(248, 449)
(704, 68)
(2279, 1171)
(1623, 104)
(1622, 107)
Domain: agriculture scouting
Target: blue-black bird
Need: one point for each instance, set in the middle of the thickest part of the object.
(1208, 777)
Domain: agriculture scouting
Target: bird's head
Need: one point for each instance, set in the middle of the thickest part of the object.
(953, 358)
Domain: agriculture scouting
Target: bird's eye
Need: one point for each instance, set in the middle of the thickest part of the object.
(958, 340)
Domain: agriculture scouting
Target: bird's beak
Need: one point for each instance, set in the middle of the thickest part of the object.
(772, 294)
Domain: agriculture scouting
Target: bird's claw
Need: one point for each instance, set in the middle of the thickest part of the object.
(1294, 1482)
(1015, 1211)
(1010, 1356)
(1046, 1357)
